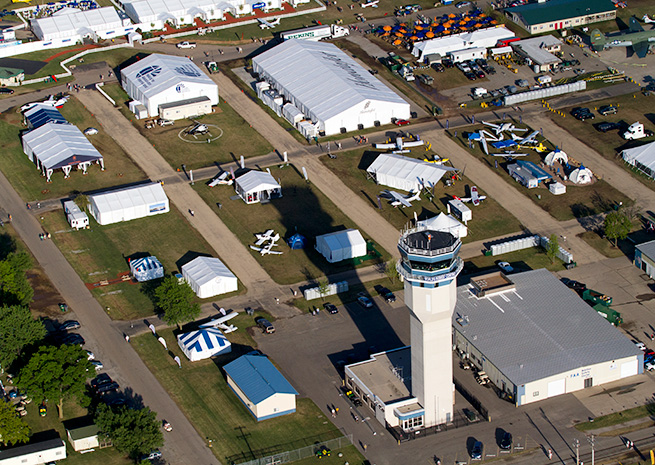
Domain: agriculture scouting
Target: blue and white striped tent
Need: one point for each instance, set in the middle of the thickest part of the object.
(146, 268)
(204, 343)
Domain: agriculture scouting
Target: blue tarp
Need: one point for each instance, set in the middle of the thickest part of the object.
(297, 241)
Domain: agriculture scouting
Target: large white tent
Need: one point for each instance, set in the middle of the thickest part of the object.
(443, 222)
(159, 79)
(328, 86)
(408, 174)
(556, 155)
(204, 343)
(341, 245)
(74, 24)
(255, 186)
(129, 203)
(60, 146)
(208, 277)
(642, 158)
(581, 175)
(482, 38)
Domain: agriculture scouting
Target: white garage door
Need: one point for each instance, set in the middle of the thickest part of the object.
(629, 368)
(555, 388)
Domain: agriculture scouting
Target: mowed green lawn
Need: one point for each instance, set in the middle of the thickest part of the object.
(237, 138)
(27, 179)
(303, 209)
(201, 390)
(102, 252)
(578, 202)
(522, 260)
(489, 218)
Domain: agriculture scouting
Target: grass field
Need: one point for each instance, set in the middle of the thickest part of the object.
(196, 154)
(632, 107)
(101, 253)
(578, 202)
(201, 391)
(302, 209)
(521, 260)
(27, 179)
(489, 219)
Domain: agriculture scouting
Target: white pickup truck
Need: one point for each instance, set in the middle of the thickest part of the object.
(186, 45)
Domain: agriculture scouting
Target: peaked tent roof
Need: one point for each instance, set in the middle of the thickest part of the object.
(257, 181)
(41, 114)
(644, 155)
(556, 10)
(258, 378)
(406, 168)
(322, 77)
(58, 145)
(129, 197)
(203, 343)
(156, 73)
(204, 269)
(69, 21)
(442, 222)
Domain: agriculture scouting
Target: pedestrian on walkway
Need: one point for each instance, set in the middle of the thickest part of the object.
(447, 124)
(334, 413)
(192, 213)
(127, 338)
(339, 145)
(550, 454)
(365, 446)
(277, 301)
(9, 216)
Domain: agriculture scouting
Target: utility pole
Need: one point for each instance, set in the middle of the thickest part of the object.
(576, 443)
(592, 441)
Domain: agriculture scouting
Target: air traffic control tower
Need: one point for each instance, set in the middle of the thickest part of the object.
(429, 266)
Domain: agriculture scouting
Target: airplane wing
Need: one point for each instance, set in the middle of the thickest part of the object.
(484, 145)
(503, 144)
(465, 199)
(641, 48)
(495, 126)
(413, 143)
(404, 202)
(219, 321)
(530, 137)
(635, 26)
(384, 146)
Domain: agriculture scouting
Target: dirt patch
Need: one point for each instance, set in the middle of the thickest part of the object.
(46, 297)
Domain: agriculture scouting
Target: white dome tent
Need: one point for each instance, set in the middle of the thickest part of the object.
(581, 175)
(556, 155)
(443, 222)
(204, 343)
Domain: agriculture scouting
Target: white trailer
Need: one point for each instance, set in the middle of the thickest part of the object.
(458, 56)
(316, 33)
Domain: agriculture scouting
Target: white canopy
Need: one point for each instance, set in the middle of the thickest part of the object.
(255, 186)
(204, 343)
(60, 146)
(443, 222)
(556, 155)
(129, 203)
(208, 277)
(557, 188)
(486, 38)
(341, 245)
(581, 175)
(71, 23)
(408, 174)
(642, 158)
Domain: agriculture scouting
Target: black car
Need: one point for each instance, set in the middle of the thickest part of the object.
(387, 294)
(266, 326)
(438, 67)
(476, 450)
(582, 114)
(68, 325)
(107, 388)
(447, 62)
(102, 378)
(331, 308)
(608, 110)
(577, 286)
(6, 90)
(506, 441)
(607, 126)
(480, 74)
(470, 76)
(73, 339)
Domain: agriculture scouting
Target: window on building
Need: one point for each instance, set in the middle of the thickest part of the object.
(589, 382)
(535, 394)
(416, 422)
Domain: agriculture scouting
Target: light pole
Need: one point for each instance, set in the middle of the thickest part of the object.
(576, 443)
(591, 440)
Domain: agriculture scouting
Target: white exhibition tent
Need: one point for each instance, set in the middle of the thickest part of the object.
(72, 23)
(178, 12)
(341, 245)
(204, 343)
(481, 38)
(555, 156)
(60, 146)
(159, 79)
(328, 86)
(443, 222)
(581, 175)
(642, 158)
(208, 276)
(408, 174)
(255, 186)
(557, 188)
(129, 203)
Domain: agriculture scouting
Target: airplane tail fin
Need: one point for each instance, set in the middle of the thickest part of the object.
(597, 40)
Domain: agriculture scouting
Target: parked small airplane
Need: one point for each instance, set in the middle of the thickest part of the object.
(509, 155)
(483, 136)
(220, 322)
(400, 145)
(636, 37)
(396, 199)
(647, 19)
(267, 249)
(261, 245)
(263, 24)
(500, 128)
(437, 161)
(267, 236)
(475, 197)
(372, 3)
(198, 130)
(529, 140)
(222, 178)
(52, 102)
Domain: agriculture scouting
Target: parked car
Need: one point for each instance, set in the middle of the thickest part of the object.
(640, 345)
(401, 122)
(97, 364)
(480, 74)
(463, 4)
(447, 62)
(608, 110)
(101, 379)
(650, 366)
(607, 126)
(506, 441)
(107, 388)
(68, 325)
(506, 267)
(154, 455)
(186, 44)
(90, 355)
(73, 339)
(90, 131)
(470, 75)
(365, 301)
(438, 67)
(575, 285)
(470, 415)
(265, 325)
(330, 308)
(6, 90)
(522, 83)
(386, 294)
(476, 450)
(582, 113)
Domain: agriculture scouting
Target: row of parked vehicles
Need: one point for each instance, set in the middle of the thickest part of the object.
(475, 69)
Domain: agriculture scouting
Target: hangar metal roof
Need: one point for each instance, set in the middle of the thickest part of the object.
(539, 329)
(41, 114)
(647, 249)
(321, 77)
(559, 10)
(258, 378)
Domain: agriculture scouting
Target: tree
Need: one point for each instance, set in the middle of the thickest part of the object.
(391, 271)
(82, 201)
(15, 289)
(323, 287)
(17, 330)
(175, 299)
(133, 431)
(617, 226)
(552, 248)
(56, 373)
(12, 427)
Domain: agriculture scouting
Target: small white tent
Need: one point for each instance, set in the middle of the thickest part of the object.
(557, 188)
(204, 343)
(257, 186)
(443, 222)
(408, 174)
(556, 155)
(208, 277)
(581, 175)
(341, 245)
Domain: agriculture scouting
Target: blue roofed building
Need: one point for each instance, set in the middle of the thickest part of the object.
(41, 114)
(645, 258)
(260, 386)
(528, 174)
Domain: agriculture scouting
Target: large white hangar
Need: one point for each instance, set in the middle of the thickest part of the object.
(328, 86)
(171, 87)
(75, 25)
(536, 339)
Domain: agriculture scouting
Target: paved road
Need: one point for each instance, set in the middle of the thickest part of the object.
(183, 445)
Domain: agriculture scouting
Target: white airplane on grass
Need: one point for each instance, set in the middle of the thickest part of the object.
(509, 155)
(483, 136)
(261, 245)
(267, 249)
(373, 3)
(400, 145)
(198, 129)
(504, 127)
(396, 199)
(52, 102)
(220, 322)
(263, 24)
(475, 197)
(267, 236)
(223, 178)
(530, 139)
(647, 19)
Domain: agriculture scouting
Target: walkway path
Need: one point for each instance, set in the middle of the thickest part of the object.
(183, 445)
